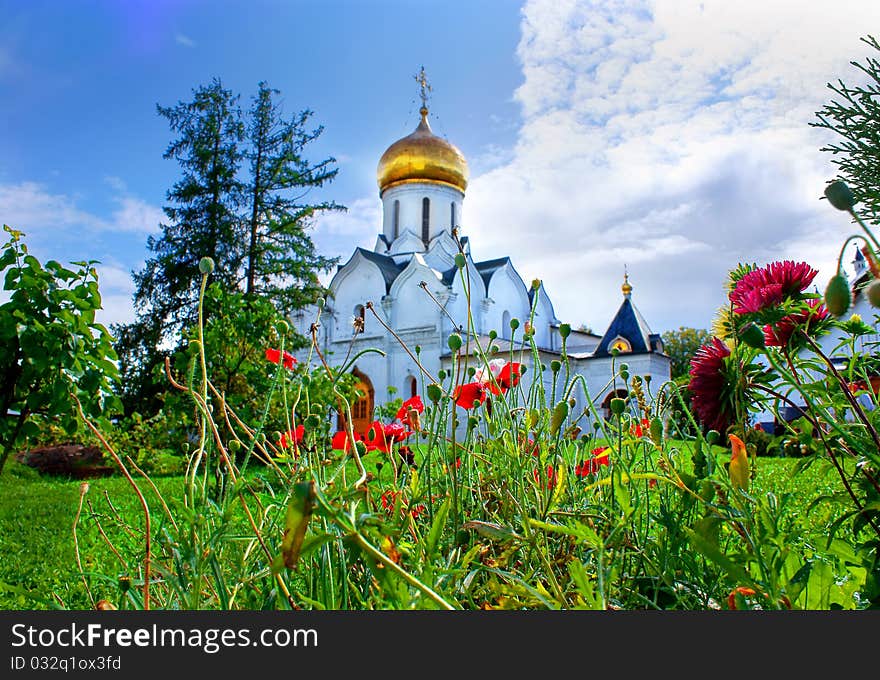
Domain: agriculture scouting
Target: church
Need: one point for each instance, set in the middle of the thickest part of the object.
(408, 294)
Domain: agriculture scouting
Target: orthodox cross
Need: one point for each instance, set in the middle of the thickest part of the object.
(424, 88)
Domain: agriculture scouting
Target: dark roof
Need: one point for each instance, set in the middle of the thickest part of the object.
(628, 323)
(488, 267)
(449, 276)
(389, 268)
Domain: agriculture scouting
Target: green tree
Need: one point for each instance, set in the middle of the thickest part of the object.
(241, 201)
(282, 263)
(681, 345)
(52, 352)
(855, 117)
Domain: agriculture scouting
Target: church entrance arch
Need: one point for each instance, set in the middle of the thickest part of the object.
(362, 409)
(606, 402)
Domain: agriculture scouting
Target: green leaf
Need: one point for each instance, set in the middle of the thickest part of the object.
(492, 531)
(296, 521)
(712, 552)
(437, 529)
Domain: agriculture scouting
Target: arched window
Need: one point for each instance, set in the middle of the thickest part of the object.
(452, 215)
(426, 220)
(621, 344)
(505, 324)
(358, 321)
(395, 219)
(412, 386)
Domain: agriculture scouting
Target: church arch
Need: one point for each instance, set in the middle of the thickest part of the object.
(411, 386)
(606, 402)
(505, 324)
(362, 408)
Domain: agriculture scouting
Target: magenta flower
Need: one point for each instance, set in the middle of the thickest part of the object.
(709, 383)
(769, 285)
(779, 333)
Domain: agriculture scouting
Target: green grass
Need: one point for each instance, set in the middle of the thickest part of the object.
(38, 567)
(37, 554)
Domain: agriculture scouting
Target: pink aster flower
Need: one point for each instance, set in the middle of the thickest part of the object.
(769, 285)
(779, 333)
(708, 382)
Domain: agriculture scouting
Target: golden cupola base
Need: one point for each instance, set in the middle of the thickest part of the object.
(422, 157)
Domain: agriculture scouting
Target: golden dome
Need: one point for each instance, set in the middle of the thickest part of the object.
(626, 287)
(422, 157)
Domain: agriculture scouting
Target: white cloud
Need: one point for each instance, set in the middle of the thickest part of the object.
(31, 207)
(670, 137)
(184, 40)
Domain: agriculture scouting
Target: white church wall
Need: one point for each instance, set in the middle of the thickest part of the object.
(355, 284)
(410, 195)
(509, 295)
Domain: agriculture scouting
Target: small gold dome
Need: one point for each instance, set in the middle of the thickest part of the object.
(422, 157)
(626, 287)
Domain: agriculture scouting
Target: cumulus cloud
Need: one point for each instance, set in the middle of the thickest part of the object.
(672, 138)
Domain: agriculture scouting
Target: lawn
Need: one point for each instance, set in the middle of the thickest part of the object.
(38, 565)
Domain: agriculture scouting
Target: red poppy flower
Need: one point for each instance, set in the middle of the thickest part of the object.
(741, 590)
(601, 455)
(708, 382)
(652, 483)
(291, 437)
(509, 375)
(275, 356)
(412, 403)
(380, 437)
(779, 333)
(639, 429)
(470, 395)
(551, 477)
(341, 442)
(770, 285)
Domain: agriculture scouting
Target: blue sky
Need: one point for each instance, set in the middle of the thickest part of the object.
(670, 137)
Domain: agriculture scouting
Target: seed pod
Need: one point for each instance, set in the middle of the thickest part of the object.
(656, 431)
(206, 265)
(840, 196)
(560, 413)
(514, 324)
(837, 295)
(564, 330)
(712, 436)
(454, 342)
(617, 406)
(555, 365)
(434, 392)
(460, 261)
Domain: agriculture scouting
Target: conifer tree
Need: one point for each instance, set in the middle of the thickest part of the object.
(855, 117)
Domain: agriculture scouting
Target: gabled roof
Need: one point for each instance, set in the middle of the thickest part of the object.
(389, 268)
(488, 267)
(630, 324)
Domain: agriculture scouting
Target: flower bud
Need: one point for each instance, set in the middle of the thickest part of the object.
(514, 324)
(555, 365)
(434, 392)
(454, 342)
(617, 406)
(460, 261)
(837, 295)
(282, 327)
(493, 334)
(872, 293)
(752, 335)
(536, 283)
(564, 330)
(206, 265)
(871, 259)
(712, 436)
(840, 196)
(441, 374)
(656, 431)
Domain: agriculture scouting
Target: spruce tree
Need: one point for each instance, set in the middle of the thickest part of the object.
(855, 117)
(281, 260)
(241, 200)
